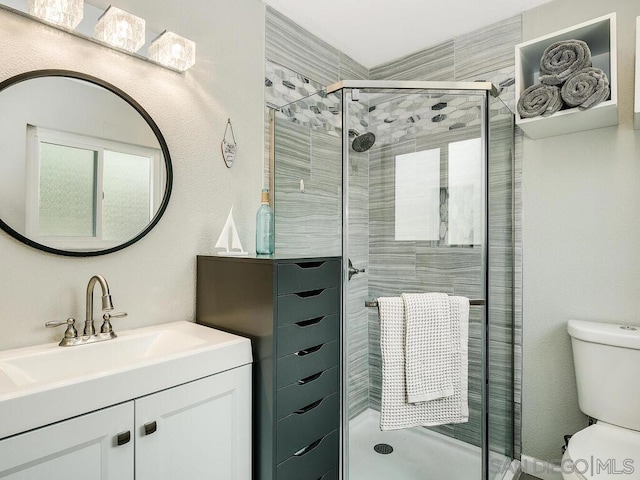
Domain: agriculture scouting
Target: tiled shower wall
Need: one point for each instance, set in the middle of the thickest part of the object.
(486, 54)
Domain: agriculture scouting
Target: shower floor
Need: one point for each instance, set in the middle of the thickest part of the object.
(418, 454)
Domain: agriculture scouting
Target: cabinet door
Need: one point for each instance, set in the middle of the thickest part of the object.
(83, 448)
(197, 431)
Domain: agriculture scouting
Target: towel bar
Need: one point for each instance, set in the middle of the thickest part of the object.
(475, 301)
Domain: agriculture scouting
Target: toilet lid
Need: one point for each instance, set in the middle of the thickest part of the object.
(604, 451)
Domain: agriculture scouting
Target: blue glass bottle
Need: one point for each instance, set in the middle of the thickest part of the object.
(264, 227)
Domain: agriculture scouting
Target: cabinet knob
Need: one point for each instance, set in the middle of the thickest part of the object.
(150, 427)
(123, 437)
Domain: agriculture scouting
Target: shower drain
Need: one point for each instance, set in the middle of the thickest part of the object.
(383, 448)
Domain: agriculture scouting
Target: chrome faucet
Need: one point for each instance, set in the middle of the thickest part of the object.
(89, 334)
(107, 304)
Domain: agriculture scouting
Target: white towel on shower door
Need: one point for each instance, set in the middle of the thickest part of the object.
(429, 350)
(396, 412)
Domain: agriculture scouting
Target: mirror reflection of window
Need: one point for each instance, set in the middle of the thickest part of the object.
(465, 192)
(87, 192)
(417, 200)
(67, 191)
(127, 205)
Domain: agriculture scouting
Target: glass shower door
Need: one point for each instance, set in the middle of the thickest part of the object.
(415, 222)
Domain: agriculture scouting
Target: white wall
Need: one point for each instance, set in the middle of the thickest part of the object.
(153, 280)
(581, 225)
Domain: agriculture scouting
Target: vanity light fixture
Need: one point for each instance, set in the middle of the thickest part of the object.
(173, 51)
(120, 29)
(115, 28)
(62, 13)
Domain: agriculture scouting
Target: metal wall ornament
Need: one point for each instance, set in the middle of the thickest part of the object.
(229, 149)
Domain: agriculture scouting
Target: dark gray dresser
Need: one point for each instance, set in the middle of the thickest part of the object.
(290, 309)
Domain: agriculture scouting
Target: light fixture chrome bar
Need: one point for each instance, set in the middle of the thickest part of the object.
(413, 85)
(473, 302)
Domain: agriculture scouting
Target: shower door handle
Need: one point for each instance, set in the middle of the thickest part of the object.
(353, 270)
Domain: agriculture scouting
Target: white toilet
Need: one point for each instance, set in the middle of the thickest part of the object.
(607, 363)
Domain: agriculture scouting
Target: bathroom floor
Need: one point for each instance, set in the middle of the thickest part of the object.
(418, 454)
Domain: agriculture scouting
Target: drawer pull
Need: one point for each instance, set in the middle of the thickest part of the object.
(308, 323)
(309, 351)
(310, 378)
(123, 438)
(150, 428)
(310, 264)
(310, 293)
(308, 448)
(303, 410)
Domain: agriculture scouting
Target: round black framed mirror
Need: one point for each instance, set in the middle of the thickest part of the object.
(84, 169)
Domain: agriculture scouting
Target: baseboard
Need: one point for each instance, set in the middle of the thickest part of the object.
(540, 469)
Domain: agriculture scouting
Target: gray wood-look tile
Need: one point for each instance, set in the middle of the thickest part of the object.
(434, 63)
(487, 49)
(352, 70)
(289, 44)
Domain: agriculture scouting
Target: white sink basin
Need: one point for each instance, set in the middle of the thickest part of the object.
(47, 383)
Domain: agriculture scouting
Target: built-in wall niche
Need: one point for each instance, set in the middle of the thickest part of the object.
(637, 90)
(600, 35)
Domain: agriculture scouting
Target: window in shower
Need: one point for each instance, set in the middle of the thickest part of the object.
(438, 194)
(417, 211)
(465, 194)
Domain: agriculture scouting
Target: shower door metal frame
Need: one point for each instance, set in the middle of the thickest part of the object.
(486, 89)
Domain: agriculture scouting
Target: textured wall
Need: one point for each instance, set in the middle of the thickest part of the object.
(581, 228)
(153, 280)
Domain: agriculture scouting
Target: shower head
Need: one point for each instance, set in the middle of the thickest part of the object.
(362, 143)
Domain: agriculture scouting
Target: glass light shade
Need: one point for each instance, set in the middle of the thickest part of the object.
(173, 51)
(120, 29)
(64, 13)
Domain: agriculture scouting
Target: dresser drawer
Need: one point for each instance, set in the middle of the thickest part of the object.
(305, 276)
(307, 333)
(305, 391)
(305, 363)
(315, 461)
(296, 307)
(306, 425)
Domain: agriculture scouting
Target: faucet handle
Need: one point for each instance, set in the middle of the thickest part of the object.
(70, 332)
(106, 325)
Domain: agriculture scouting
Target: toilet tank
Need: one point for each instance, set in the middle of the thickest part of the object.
(607, 363)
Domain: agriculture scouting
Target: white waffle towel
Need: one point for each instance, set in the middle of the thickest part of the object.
(429, 346)
(396, 412)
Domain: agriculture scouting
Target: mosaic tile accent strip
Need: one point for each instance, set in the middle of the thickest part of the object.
(283, 85)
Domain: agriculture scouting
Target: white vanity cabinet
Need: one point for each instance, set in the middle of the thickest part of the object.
(199, 430)
(83, 448)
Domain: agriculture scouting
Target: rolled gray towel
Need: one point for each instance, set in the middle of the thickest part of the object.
(586, 88)
(538, 100)
(560, 60)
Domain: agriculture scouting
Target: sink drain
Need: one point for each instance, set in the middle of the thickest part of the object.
(383, 448)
